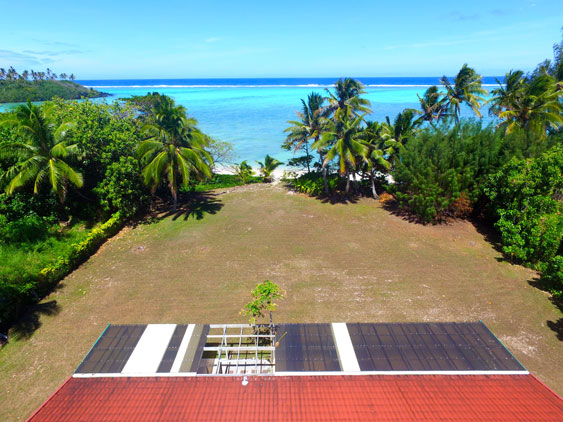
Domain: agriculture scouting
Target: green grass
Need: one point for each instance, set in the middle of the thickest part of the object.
(342, 262)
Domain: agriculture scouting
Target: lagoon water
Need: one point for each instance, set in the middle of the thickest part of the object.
(252, 114)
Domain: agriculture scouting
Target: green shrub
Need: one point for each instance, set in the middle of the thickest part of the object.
(312, 183)
(526, 199)
(122, 188)
(552, 277)
(219, 181)
(439, 166)
(79, 253)
(28, 228)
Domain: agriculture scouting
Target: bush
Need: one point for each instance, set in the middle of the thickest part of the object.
(526, 199)
(79, 253)
(218, 181)
(27, 229)
(122, 188)
(440, 171)
(312, 183)
(552, 277)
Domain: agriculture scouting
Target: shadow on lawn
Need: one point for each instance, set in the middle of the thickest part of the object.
(194, 205)
(555, 326)
(338, 198)
(333, 198)
(31, 320)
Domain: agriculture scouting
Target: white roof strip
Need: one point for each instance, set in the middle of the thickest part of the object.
(345, 348)
(182, 349)
(150, 349)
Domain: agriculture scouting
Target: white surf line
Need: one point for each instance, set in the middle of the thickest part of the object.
(182, 349)
(150, 349)
(345, 348)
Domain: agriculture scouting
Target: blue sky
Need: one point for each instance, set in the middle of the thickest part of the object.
(208, 39)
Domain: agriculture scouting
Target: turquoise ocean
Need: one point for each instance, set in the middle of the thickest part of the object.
(252, 114)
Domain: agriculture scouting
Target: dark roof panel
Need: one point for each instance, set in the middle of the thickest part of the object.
(429, 347)
(112, 350)
(306, 347)
(172, 349)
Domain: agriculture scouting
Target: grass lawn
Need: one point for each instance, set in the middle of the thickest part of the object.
(337, 262)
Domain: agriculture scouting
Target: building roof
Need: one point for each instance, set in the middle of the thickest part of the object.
(339, 371)
(314, 348)
(306, 398)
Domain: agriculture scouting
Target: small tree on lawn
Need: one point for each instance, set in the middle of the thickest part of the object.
(243, 172)
(264, 296)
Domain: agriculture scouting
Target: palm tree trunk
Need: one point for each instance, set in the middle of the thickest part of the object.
(356, 183)
(325, 181)
(308, 155)
(347, 181)
(373, 191)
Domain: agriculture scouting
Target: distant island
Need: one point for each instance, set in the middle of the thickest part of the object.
(41, 86)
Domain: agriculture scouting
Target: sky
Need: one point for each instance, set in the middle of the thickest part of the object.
(123, 39)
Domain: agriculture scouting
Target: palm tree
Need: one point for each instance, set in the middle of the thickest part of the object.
(72, 77)
(507, 94)
(432, 106)
(243, 171)
(174, 149)
(2, 73)
(344, 141)
(535, 107)
(465, 89)
(268, 166)
(12, 75)
(347, 98)
(376, 138)
(41, 152)
(309, 127)
(404, 126)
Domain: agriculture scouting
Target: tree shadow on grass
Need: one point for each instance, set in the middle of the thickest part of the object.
(338, 198)
(555, 326)
(31, 320)
(392, 206)
(332, 198)
(194, 205)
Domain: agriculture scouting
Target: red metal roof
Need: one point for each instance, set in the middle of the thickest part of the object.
(304, 398)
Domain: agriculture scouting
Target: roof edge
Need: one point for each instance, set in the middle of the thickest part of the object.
(48, 399)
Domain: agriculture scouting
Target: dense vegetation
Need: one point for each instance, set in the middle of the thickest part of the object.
(438, 166)
(73, 171)
(41, 86)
